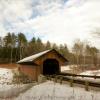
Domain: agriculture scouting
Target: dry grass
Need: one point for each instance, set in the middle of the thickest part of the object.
(9, 65)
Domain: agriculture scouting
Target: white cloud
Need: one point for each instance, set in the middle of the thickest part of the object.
(2, 31)
(65, 25)
(13, 11)
(54, 20)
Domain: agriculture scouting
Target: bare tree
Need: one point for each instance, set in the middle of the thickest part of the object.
(92, 51)
(78, 50)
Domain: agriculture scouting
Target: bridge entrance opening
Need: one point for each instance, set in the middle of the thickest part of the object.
(50, 67)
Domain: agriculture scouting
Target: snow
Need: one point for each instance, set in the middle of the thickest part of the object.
(67, 68)
(6, 75)
(54, 91)
(7, 88)
(31, 58)
(64, 68)
(91, 73)
(45, 91)
(94, 72)
(8, 91)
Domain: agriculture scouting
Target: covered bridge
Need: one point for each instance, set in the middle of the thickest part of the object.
(47, 63)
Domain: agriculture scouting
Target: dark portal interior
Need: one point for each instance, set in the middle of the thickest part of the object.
(50, 67)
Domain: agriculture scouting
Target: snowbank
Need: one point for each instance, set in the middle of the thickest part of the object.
(54, 91)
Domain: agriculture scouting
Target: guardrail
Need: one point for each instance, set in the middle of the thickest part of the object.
(75, 75)
(65, 77)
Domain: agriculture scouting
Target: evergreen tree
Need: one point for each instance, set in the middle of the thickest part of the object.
(48, 45)
(54, 46)
(39, 45)
(22, 44)
(32, 46)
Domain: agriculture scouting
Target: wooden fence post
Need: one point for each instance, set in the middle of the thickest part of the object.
(86, 85)
(71, 82)
(61, 78)
(55, 78)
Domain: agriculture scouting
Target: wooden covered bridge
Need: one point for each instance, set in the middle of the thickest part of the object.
(47, 63)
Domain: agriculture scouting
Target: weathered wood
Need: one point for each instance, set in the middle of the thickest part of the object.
(78, 81)
(36, 68)
(75, 75)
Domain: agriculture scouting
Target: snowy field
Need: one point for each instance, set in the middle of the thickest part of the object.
(91, 73)
(6, 76)
(68, 68)
(8, 91)
(7, 88)
(65, 68)
(54, 91)
(45, 91)
(94, 72)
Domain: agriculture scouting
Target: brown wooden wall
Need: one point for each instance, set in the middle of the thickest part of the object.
(29, 70)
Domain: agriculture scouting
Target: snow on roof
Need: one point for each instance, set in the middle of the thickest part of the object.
(33, 57)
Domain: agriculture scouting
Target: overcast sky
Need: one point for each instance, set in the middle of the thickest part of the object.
(59, 21)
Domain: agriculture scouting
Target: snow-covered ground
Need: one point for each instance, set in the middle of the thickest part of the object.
(6, 76)
(94, 72)
(7, 88)
(64, 68)
(8, 91)
(54, 91)
(45, 91)
(67, 68)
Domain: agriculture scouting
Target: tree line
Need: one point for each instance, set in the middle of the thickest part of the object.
(15, 47)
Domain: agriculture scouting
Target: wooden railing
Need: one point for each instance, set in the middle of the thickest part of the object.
(75, 75)
(66, 77)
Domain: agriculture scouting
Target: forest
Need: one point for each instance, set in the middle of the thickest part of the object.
(14, 47)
